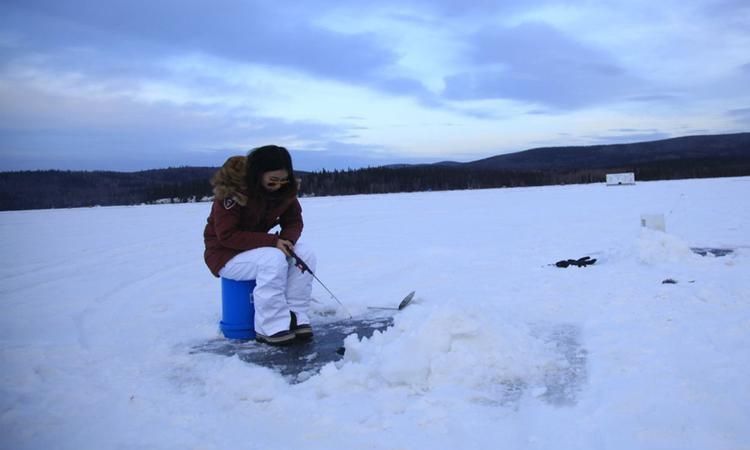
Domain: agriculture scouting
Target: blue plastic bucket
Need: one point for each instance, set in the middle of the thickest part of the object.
(237, 309)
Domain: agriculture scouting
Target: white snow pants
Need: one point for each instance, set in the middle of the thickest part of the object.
(279, 285)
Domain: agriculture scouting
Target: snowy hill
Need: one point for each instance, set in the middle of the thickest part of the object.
(692, 149)
(102, 306)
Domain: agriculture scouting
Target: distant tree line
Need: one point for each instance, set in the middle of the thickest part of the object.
(380, 180)
(68, 189)
(45, 189)
(685, 157)
(451, 177)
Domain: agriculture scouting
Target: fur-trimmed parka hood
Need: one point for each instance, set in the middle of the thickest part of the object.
(229, 181)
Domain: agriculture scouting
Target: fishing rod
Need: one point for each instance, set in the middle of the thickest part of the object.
(302, 265)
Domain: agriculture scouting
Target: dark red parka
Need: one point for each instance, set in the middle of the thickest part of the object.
(233, 228)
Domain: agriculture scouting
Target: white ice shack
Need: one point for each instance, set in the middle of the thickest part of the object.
(620, 179)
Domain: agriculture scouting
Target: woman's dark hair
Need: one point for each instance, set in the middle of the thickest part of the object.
(265, 159)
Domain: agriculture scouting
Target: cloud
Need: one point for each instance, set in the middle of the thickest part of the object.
(344, 155)
(246, 32)
(170, 82)
(656, 98)
(54, 130)
(628, 136)
(740, 115)
(84, 36)
(536, 63)
(459, 9)
(725, 13)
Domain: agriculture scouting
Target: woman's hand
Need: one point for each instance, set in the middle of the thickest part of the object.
(285, 246)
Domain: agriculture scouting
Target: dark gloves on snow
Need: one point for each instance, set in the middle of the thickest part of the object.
(581, 262)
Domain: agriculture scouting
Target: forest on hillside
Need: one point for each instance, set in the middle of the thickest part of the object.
(449, 177)
(706, 156)
(68, 189)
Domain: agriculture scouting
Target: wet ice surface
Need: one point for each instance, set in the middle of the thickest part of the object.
(564, 383)
(561, 383)
(297, 363)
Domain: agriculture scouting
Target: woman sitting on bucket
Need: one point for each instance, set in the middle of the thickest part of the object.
(252, 195)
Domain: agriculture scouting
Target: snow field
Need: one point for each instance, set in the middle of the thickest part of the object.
(101, 306)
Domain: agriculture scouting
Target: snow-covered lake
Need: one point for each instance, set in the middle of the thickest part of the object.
(102, 306)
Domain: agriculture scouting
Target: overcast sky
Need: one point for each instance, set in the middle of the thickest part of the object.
(129, 85)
